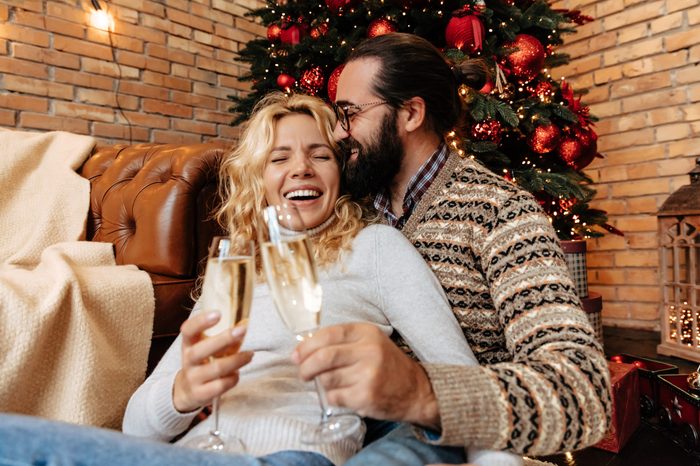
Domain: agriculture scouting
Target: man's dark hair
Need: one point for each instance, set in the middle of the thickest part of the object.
(412, 67)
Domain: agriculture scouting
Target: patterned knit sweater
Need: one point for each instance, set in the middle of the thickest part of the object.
(543, 385)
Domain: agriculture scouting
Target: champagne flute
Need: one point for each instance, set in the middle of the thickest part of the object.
(291, 276)
(227, 288)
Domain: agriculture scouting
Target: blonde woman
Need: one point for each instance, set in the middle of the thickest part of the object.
(369, 273)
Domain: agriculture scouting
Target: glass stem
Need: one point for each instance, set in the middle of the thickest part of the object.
(215, 411)
(326, 412)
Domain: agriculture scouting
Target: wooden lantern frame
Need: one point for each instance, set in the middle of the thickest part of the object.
(679, 250)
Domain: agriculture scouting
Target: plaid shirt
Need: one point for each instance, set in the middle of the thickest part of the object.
(417, 186)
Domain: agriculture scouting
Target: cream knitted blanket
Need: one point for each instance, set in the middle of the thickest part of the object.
(74, 327)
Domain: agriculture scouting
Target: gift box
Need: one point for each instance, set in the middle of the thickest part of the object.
(624, 379)
(649, 371)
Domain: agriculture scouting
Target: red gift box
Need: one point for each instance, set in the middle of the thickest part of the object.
(625, 409)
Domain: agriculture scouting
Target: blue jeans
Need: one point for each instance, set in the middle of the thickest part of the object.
(26, 441)
(393, 444)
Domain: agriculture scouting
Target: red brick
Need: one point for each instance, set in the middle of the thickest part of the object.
(37, 87)
(616, 141)
(634, 15)
(217, 66)
(85, 112)
(7, 118)
(144, 90)
(83, 79)
(233, 33)
(81, 47)
(138, 32)
(638, 276)
(693, 16)
(194, 100)
(194, 73)
(257, 29)
(60, 10)
(632, 33)
(189, 20)
(96, 97)
(190, 46)
(684, 147)
(154, 22)
(175, 137)
(168, 54)
(194, 127)
(651, 46)
(23, 68)
(681, 40)
(639, 188)
(637, 259)
(107, 68)
(672, 132)
(641, 240)
(131, 59)
(65, 27)
(120, 131)
(24, 102)
(674, 5)
(166, 108)
(118, 41)
(49, 122)
(144, 6)
(24, 34)
(126, 14)
(25, 18)
(216, 117)
(146, 120)
(160, 66)
(666, 22)
(3, 47)
(653, 100)
(229, 7)
(4, 12)
(157, 79)
(48, 56)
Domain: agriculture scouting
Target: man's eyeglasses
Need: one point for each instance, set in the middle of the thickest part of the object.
(346, 111)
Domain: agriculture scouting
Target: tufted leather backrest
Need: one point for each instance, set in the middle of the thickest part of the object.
(153, 202)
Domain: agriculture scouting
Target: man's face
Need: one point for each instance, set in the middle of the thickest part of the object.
(371, 145)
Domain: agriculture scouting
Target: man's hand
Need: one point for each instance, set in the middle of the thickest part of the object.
(209, 365)
(362, 369)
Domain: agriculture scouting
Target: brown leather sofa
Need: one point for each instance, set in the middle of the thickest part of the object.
(154, 203)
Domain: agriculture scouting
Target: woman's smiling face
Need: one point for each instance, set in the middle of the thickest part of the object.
(302, 170)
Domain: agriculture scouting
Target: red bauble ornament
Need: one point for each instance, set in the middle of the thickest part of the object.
(336, 6)
(488, 87)
(273, 32)
(579, 149)
(381, 26)
(526, 62)
(544, 90)
(544, 139)
(333, 82)
(285, 81)
(465, 31)
(319, 30)
(312, 80)
(292, 34)
(487, 130)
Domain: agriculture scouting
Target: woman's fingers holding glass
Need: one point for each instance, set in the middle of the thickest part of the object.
(225, 343)
(196, 386)
(193, 327)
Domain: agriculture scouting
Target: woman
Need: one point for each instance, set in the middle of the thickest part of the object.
(368, 273)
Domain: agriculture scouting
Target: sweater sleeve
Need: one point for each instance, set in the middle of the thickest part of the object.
(554, 395)
(413, 300)
(150, 412)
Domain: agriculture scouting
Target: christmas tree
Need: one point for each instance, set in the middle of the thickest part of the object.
(522, 124)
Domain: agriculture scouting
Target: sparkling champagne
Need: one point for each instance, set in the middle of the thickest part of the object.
(228, 288)
(293, 282)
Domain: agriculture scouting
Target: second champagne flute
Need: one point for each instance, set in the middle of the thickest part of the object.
(291, 275)
(227, 288)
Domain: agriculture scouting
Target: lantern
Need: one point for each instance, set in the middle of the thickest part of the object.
(679, 248)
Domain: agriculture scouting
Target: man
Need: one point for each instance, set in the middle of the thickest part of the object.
(543, 386)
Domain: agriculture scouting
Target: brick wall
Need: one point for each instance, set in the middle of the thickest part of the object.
(172, 62)
(639, 58)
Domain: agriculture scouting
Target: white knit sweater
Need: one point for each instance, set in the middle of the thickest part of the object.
(382, 280)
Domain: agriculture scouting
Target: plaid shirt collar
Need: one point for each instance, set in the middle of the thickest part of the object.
(417, 187)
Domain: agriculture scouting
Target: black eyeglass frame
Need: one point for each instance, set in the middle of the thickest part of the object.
(343, 115)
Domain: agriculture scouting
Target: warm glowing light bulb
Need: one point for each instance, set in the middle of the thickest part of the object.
(100, 19)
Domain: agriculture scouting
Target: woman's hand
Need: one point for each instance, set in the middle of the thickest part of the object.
(202, 376)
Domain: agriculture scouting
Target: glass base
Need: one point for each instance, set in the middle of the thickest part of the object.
(215, 441)
(336, 427)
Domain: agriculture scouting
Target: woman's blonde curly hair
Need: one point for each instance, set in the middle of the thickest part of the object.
(242, 189)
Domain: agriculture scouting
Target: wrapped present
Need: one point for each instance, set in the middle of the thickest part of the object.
(624, 379)
(649, 371)
(592, 305)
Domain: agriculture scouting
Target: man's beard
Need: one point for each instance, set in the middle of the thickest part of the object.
(376, 164)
